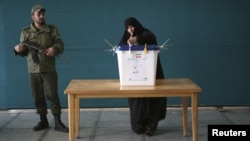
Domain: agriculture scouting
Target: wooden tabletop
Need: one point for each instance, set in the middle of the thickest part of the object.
(110, 88)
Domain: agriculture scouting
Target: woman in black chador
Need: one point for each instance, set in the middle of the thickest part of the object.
(145, 113)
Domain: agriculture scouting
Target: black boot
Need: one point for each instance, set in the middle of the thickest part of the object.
(43, 124)
(59, 126)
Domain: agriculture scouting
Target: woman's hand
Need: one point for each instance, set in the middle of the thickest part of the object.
(132, 41)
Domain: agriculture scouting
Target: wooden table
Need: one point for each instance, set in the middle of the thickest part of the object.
(110, 88)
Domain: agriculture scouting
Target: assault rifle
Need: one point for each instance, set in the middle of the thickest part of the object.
(35, 46)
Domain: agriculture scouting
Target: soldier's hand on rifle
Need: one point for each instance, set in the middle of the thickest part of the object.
(50, 51)
(20, 47)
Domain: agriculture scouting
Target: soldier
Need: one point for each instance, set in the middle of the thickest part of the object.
(41, 66)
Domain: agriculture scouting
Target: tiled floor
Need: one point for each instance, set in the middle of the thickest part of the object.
(113, 124)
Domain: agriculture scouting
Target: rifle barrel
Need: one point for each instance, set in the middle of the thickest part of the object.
(65, 58)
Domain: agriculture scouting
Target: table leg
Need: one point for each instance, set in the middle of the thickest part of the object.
(195, 116)
(77, 116)
(71, 114)
(184, 113)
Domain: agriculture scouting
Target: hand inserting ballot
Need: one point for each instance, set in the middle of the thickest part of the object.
(132, 41)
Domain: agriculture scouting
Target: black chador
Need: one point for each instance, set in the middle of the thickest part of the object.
(145, 113)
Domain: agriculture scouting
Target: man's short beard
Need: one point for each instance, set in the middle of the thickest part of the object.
(43, 22)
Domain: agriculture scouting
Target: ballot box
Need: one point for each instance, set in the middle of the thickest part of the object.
(137, 64)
